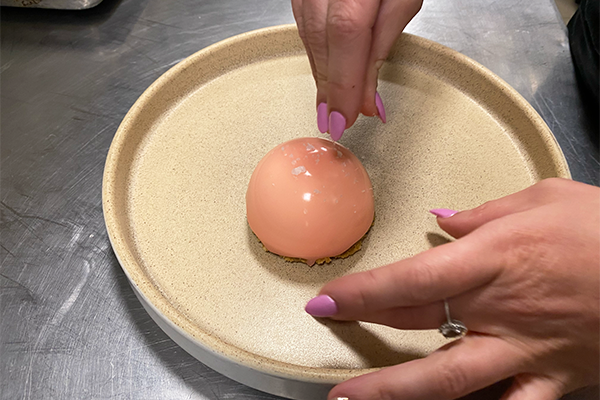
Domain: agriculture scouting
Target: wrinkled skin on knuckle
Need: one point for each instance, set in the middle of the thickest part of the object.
(532, 294)
(315, 37)
(385, 391)
(480, 211)
(301, 31)
(314, 31)
(345, 19)
(422, 285)
(452, 379)
(538, 294)
(521, 249)
(365, 302)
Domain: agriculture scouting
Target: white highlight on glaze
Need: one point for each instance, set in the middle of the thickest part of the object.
(298, 170)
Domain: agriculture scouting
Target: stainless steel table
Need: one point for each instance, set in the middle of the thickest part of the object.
(70, 326)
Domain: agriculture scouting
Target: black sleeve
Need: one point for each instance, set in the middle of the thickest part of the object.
(583, 40)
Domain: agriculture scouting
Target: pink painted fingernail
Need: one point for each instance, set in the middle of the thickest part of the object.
(380, 107)
(321, 306)
(322, 117)
(337, 124)
(443, 212)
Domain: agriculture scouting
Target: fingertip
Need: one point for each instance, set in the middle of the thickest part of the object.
(369, 110)
(321, 306)
(322, 119)
(336, 397)
(380, 107)
(350, 389)
(443, 212)
(370, 107)
(337, 125)
(447, 220)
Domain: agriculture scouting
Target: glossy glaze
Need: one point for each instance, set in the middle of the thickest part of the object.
(309, 198)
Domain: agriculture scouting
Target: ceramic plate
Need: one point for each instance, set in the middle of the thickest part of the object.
(178, 168)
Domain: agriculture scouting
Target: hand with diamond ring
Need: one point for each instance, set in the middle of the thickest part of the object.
(346, 43)
(523, 275)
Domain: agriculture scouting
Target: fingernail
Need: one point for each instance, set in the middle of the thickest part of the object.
(443, 212)
(380, 107)
(321, 306)
(322, 117)
(337, 124)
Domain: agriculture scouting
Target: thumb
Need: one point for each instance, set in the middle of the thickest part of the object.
(461, 223)
(532, 387)
(453, 371)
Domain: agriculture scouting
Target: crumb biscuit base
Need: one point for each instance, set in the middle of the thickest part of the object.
(325, 260)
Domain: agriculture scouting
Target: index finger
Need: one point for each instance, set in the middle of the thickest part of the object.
(349, 34)
(439, 273)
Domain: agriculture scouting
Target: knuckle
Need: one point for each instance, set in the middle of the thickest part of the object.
(551, 182)
(524, 244)
(551, 188)
(483, 212)
(521, 245)
(344, 18)
(365, 301)
(483, 209)
(320, 77)
(314, 32)
(453, 380)
(385, 391)
(421, 289)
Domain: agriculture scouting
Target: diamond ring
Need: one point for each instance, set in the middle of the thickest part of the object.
(452, 328)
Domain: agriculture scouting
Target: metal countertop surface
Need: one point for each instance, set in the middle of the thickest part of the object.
(70, 325)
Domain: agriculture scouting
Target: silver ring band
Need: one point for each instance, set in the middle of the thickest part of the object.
(452, 328)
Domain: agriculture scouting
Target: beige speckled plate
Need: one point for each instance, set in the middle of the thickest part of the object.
(175, 183)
